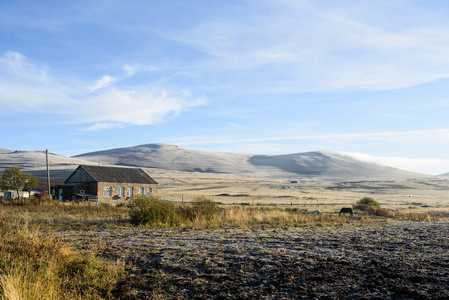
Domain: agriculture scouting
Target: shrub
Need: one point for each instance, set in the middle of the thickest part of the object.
(382, 212)
(364, 207)
(205, 207)
(202, 209)
(121, 204)
(186, 213)
(369, 201)
(152, 211)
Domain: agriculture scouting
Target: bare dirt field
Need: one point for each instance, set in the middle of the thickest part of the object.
(405, 260)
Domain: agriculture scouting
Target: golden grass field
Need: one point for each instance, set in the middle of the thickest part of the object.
(423, 194)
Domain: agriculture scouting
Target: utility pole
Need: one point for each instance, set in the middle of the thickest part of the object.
(48, 175)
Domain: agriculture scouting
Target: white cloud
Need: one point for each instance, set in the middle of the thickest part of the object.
(318, 45)
(98, 126)
(414, 136)
(18, 66)
(105, 81)
(130, 70)
(137, 106)
(25, 86)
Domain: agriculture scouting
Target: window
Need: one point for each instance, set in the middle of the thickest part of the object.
(121, 192)
(149, 192)
(140, 191)
(107, 191)
(129, 192)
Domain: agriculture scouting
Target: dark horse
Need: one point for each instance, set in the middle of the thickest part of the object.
(346, 210)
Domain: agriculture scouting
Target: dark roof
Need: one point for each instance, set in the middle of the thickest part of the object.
(115, 174)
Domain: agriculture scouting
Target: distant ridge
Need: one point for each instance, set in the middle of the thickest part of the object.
(303, 166)
(34, 162)
(309, 165)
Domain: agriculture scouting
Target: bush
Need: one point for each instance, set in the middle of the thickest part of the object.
(202, 208)
(205, 207)
(369, 201)
(382, 212)
(152, 211)
(364, 207)
(121, 204)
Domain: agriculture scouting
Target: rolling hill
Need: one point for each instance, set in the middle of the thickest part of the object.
(308, 165)
(34, 162)
(312, 165)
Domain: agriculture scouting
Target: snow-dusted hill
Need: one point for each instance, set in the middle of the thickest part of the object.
(34, 162)
(319, 165)
(309, 165)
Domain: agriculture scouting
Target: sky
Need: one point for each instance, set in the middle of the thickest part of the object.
(359, 77)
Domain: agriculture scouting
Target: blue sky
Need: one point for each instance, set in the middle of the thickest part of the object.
(366, 78)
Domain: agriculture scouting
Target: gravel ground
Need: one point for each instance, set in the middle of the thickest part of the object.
(405, 260)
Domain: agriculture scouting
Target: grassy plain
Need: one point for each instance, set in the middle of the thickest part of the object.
(426, 195)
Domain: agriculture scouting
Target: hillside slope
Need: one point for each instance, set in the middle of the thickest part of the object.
(34, 162)
(319, 165)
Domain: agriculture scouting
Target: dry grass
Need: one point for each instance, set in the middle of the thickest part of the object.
(250, 216)
(68, 215)
(203, 213)
(37, 265)
(158, 213)
(398, 215)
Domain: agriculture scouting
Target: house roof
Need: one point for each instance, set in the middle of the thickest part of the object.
(112, 174)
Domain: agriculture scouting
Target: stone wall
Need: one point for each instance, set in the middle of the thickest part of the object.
(114, 197)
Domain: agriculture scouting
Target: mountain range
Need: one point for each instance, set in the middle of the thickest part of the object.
(318, 165)
(309, 165)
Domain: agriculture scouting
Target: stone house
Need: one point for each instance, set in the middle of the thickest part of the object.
(110, 185)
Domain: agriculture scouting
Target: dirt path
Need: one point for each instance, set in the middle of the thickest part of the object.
(394, 261)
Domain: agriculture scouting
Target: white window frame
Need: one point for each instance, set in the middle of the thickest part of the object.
(121, 192)
(149, 192)
(107, 191)
(140, 191)
(129, 192)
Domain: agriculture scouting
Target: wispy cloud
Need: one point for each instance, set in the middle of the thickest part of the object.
(106, 105)
(319, 45)
(404, 136)
(98, 126)
(26, 86)
(21, 67)
(130, 70)
(138, 106)
(105, 81)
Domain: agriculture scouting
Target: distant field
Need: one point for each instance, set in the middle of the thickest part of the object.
(422, 194)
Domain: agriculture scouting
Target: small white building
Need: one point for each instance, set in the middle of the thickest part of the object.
(23, 194)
